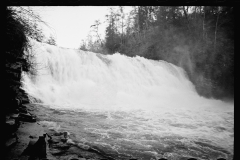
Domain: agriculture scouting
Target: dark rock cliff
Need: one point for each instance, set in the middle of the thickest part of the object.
(15, 61)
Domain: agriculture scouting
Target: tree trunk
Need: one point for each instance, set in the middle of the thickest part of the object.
(215, 38)
(186, 16)
(195, 13)
(122, 32)
(203, 22)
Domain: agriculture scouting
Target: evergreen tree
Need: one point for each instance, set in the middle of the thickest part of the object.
(112, 40)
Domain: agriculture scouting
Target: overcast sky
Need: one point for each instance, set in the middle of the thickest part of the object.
(71, 24)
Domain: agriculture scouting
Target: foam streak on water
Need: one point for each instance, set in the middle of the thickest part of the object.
(141, 99)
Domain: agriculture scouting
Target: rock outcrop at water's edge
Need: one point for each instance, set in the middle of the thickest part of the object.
(30, 139)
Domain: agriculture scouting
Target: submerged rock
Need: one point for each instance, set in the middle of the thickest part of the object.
(26, 117)
(62, 146)
(14, 115)
(83, 146)
(58, 134)
(57, 152)
(10, 122)
(22, 109)
(70, 141)
(66, 134)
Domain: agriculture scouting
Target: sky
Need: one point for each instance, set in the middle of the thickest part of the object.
(71, 24)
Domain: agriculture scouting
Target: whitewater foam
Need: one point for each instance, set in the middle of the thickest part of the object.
(81, 78)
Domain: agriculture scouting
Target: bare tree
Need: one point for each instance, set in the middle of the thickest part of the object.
(96, 25)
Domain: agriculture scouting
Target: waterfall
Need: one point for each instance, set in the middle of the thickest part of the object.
(156, 96)
(77, 78)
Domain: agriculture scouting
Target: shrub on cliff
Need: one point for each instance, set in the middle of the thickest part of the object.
(22, 23)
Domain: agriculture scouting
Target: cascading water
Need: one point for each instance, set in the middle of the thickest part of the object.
(133, 106)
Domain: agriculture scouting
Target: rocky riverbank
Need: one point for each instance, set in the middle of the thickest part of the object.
(32, 139)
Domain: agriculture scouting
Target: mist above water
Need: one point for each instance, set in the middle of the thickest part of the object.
(156, 91)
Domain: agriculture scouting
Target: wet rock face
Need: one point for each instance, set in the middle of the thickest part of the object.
(14, 95)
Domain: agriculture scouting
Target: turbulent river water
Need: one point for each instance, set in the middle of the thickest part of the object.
(129, 107)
